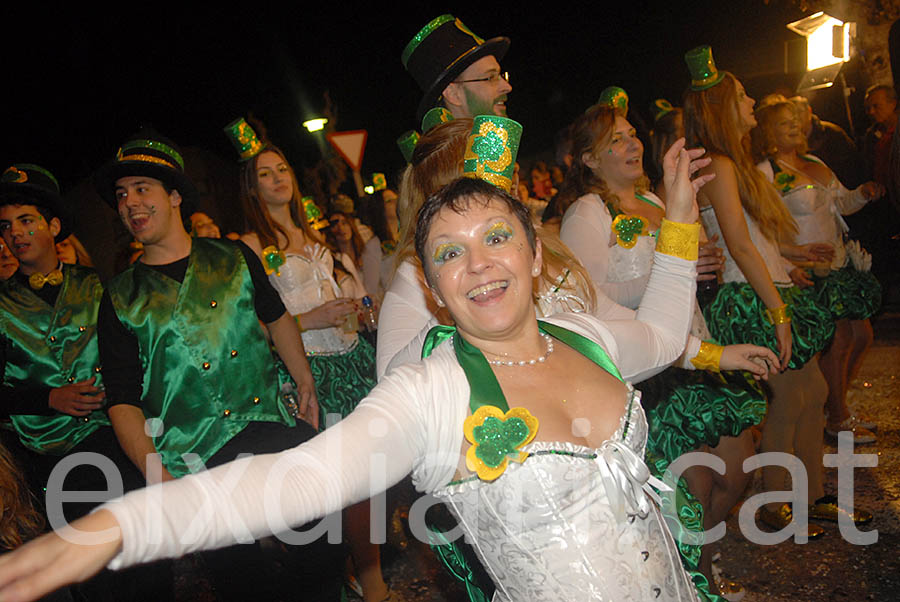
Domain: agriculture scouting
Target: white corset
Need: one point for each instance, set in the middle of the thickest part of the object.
(767, 249)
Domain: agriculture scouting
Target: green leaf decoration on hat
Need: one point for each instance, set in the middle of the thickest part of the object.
(407, 143)
(702, 67)
(628, 228)
(491, 150)
(379, 182)
(313, 213)
(661, 107)
(244, 138)
(614, 97)
(435, 117)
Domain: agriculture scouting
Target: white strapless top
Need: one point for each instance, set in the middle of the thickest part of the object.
(305, 284)
(573, 523)
(767, 249)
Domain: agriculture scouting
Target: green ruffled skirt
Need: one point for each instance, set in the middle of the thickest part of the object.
(738, 315)
(848, 293)
(343, 380)
(695, 408)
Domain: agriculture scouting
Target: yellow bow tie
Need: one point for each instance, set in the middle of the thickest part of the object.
(38, 280)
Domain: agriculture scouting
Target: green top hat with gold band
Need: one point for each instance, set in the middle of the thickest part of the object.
(614, 97)
(150, 154)
(660, 107)
(702, 67)
(442, 50)
(244, 139)
(379, 181)
(491, 150)
(407, 143)
(30, 184)
(313, 213)
(435, 117)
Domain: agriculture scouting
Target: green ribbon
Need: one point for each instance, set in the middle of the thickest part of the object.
(483, 385)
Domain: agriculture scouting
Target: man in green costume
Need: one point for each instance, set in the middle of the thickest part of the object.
(191, 380)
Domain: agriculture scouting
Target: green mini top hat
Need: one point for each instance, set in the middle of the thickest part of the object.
(244, 139)
(614, 97)
(660, 107)
(434, 117)
(313, 213)
(379, 181)
(442, 50)
(491, 150)
(407, 143)
(150, 154)
(29, 184)
(702, 67)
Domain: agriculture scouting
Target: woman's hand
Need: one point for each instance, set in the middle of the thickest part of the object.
(800, 278)
(71, 555)
(816, 252)
(785, 341)
(681, 192)
(710, 261)
(872, 190)
(330, 313)
(758, 361)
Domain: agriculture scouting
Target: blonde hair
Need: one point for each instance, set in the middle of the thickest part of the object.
(19, 521)
(711, 120)
(436, 161)
(762, 137)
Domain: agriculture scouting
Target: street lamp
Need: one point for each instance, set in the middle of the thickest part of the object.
(315, 125)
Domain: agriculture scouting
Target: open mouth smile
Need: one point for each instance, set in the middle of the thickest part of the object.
(487, 292)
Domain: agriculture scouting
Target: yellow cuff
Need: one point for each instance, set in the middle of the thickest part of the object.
(779, 315)
(708, 357)
(679, 240)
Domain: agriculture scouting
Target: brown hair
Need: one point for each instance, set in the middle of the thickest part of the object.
(711, 120)
(256, 215)
(356, 241)
(19, 521)
(663, 135)
(589, 132)
(762, 137)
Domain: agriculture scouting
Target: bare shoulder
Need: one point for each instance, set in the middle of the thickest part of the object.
(252, 240)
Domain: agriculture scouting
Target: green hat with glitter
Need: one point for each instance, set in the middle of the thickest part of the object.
(313, 213)
(491, 150)
(702, 67)
(407, 143)
(379, 181)
(442, 50)
(244, 138)
(30, 184)
(614, 97)
(435, 117)
(660, 107)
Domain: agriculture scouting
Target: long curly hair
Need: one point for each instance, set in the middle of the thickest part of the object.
(762, 137)
(589, 132)
(19, 521)
(256, 216)
(711, 120)
(437, 161)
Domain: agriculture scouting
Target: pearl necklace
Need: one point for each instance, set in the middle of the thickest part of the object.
(537, 360)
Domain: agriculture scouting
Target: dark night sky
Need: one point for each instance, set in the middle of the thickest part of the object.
(79, 84)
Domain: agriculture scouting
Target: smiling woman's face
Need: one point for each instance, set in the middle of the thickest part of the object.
(481, 266)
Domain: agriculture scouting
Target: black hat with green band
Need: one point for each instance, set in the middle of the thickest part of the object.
(442, 50)
(30, 184)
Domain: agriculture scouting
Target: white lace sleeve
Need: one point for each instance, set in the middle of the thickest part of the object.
(403, 322)
(586, 230)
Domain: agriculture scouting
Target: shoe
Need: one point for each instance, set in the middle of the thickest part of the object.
(826, 508)
(865, 421)
(861, 434)
(783, 517)
(730, 590)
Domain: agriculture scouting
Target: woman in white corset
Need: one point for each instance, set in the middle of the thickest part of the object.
(817, 200)
(553, 494)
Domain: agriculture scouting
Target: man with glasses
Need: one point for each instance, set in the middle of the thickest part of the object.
(457, 69)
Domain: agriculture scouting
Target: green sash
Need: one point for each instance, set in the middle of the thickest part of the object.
(53, 346)
(208, 371)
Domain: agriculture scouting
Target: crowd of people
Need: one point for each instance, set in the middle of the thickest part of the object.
(551, 343)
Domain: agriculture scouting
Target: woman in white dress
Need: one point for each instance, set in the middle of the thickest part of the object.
(555, 499)
(817, 200)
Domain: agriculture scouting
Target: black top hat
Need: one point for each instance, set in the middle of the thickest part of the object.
(29, 184)
(441, 51)
(150, 154)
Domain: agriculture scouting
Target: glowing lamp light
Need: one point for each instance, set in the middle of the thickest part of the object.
(827, 40)
(369, 189)
(315, 125)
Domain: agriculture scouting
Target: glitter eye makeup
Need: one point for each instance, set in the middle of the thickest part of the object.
(501, 231)
(445, 252)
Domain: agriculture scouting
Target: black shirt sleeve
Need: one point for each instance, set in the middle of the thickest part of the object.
(29, 400)
(267, 301)
(123, 375)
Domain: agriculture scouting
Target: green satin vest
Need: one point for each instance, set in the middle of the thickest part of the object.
(53, 346)
(208, 370)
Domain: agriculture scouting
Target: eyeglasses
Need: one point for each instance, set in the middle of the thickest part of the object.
(492, 78)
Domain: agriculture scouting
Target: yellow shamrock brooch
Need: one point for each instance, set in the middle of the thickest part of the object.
(627, 229)
(273, 259)
(496, 438)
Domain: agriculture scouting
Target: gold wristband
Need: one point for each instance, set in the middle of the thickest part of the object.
(708, 357)
(779, 315)
(299, 325)
(679, 240)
